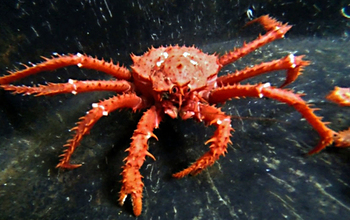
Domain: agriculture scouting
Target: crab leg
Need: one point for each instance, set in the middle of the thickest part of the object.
(339, 95)
(138, 150)
(293, 65)
(73, 86)
(212, 116)
(220, 95)
(275, 30)
(103, 108)
(81, 60)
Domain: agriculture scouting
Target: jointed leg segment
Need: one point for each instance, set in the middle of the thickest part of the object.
(212, 116)
(78, 59)
(138, 150)
(103, 108)
(224, 93)
(339, 95)
(73, 86)
(275, 30)
(293, 65)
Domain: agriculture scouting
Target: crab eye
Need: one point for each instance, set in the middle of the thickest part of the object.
(174, 89)
(188, 90)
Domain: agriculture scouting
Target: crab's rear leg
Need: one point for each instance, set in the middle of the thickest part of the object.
(73, 86)
(220, 95)
(341, 96)
(275, 30)
(138, 150)
(78, 59)
(293, 64)
(103, 108)
(218, 142)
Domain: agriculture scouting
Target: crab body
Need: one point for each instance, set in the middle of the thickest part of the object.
(175, 81)
(169, 76)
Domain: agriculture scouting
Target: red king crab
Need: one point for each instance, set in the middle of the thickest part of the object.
(178, 81)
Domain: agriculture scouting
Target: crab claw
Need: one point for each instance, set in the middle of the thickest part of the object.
(135, 199)
(133, 186)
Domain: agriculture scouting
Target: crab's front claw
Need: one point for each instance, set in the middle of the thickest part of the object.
(135, 198)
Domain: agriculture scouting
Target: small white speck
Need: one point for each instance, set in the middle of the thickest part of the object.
(265, 85)
(292, 60)
(67, 198)
(94, 105)
(72, 82)
(101, 107)
(123, 200)
(105, 113)
(250, 13)
(79, 65)
(74, 92)
(159, 63)
(219, 122)
(79, 55)
(193, 62)
(165, 54)
(185, 54)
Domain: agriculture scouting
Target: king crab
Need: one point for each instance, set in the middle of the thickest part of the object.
(175, 81)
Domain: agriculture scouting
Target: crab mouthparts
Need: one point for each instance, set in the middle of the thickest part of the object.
(179, 101)
(173, 106)
(173, 113)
